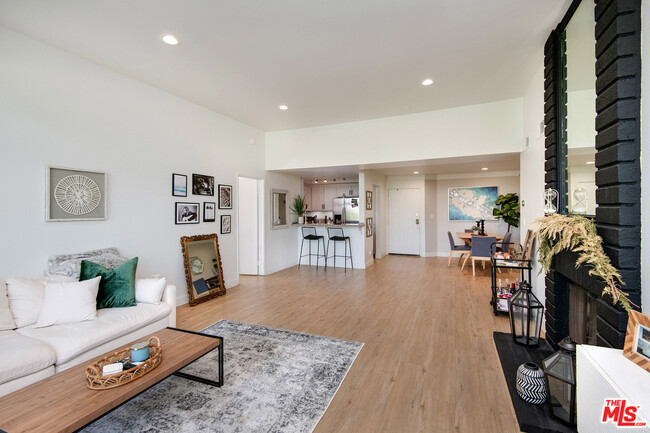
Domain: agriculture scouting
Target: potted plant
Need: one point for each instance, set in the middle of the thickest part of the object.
(298, 207)
(508, 210)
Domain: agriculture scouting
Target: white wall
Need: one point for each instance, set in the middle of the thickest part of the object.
(57, 109)
(645, 158)
(438, 214)
(531, 165)
(367, 180)
(471, 130)
(280, 248)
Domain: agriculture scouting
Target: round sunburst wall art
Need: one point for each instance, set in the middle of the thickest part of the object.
(77, 194)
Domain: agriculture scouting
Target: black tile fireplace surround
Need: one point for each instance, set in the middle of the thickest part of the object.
(618, 175)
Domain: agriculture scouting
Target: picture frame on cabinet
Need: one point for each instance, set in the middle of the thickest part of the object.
(226, 224)
(637, 339)
(225, 196)
(209, 209)
(368, 200)
(179, 185)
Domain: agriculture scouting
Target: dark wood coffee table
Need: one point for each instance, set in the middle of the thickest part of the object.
(63, 403)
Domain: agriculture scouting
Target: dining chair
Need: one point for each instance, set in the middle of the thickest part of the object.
(481, 250)
(468, 231)
(456, 248)
(503, 244)
(527, 251)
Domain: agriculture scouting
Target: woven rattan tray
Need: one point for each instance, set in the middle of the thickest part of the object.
(95, 379)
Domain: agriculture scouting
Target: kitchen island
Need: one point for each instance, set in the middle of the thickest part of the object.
(357, 234)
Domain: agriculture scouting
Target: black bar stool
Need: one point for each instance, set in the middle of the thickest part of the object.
(309, 234)
(335, 234)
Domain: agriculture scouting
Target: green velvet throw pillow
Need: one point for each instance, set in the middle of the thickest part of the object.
(117, 286)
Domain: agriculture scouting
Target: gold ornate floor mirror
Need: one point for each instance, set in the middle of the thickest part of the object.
(203, 270)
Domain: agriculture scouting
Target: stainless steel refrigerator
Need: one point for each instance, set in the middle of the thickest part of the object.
(346, 209)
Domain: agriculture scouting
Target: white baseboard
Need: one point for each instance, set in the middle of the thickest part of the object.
(438, 254)
(232, 283)
(280, 268)
(370, 262)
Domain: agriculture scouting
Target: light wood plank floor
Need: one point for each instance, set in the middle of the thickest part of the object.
(429, 363)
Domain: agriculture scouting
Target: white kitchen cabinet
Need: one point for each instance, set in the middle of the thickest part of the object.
(316, 197)
(329, 194)
(347, 189)
(308, 201)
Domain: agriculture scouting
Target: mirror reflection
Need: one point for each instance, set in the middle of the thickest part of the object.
(279, 212)
(202, 267)
(580, 61)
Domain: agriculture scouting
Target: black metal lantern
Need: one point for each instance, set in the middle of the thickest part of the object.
(560, 373)
(526, 313)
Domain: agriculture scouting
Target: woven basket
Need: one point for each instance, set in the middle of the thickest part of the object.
(95, 379)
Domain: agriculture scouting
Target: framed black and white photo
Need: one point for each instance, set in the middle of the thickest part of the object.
(179, 185)
(202, 184)
(75, 195)
(209, 208)
(225, 196)
(187, 213)
(368, 227)
(368, 200)
(225, 224)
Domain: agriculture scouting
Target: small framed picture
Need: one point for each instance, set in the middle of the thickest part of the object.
(209, 208)
(179, 185)
(368, 200)
(368, 227)
(225, 224)
(637, 340)
(202, 184)
(225, 196)
(187, 213)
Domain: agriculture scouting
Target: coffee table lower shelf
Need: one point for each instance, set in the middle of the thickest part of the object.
(63, 403)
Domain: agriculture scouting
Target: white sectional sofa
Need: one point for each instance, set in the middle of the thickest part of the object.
(31, 353)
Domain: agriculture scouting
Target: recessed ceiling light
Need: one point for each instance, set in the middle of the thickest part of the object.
(316, 181)
(416, 172)
(170, 40)
(484, 168)
(324, 180)
(283, 107)
(427, 82)
(590, 162)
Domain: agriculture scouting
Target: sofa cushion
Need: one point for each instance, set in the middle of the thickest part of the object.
(69, 302)
(22, 355)
(71, 339)
(149, 290)
(25, 299)
(69, 264)
(117, 287)
(6, 319)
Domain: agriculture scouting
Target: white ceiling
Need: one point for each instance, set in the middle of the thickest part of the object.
(329, 61)
(443, 166)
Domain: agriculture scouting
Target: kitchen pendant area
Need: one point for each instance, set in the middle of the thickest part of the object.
(333, 210)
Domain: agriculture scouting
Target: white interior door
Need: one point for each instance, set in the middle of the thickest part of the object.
(247, 226)
(404, 221)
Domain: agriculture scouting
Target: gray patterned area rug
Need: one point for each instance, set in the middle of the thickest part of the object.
(275, 381)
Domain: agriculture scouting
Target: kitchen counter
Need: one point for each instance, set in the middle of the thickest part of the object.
(329, 225)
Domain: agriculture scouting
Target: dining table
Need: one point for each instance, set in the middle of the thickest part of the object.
(467, 237)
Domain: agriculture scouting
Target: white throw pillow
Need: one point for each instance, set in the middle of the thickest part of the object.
(69, 302)
(6, 319)
(150, 290)
(25, 300)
